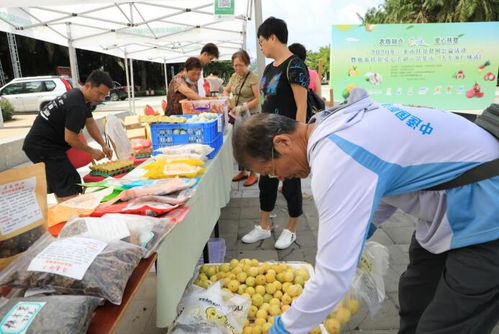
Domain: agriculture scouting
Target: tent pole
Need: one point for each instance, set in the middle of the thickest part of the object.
(128, 83)
(133, 86)
(73, 60)
(260, 58)
(166, 78)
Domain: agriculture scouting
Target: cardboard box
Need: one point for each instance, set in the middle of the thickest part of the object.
(136, 133)
(132, 122)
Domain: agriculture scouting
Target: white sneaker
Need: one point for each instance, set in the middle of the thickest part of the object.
(256, 234)
(285, 239)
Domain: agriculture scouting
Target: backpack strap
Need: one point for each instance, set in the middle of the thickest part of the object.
(479, 173)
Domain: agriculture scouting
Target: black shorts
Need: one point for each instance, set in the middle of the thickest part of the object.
(62, 177)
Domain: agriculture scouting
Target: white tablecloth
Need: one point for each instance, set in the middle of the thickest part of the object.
(179, 253)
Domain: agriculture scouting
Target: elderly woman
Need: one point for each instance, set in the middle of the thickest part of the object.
(183, 86)
(243, 85)
(363, 158)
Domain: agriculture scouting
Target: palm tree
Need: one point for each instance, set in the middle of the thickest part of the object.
(417, 11)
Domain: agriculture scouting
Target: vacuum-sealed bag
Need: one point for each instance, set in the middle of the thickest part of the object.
(75, 265)
(48, 314)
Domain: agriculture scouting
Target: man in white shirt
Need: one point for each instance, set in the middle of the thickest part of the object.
(208, 53)
(366, 157)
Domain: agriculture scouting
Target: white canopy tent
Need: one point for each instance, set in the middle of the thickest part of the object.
(165, 31)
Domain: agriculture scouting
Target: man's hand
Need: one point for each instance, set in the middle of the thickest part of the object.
(278, 327)
(97, 154)
(107, 151)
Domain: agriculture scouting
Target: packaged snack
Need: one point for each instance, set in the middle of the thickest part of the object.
(75, 265)
(200, 149)
(146, 232)
(48, 314)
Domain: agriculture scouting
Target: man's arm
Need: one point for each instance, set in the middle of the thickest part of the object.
(345, 195)
(74, 141)
(94, 132)
(300, 96)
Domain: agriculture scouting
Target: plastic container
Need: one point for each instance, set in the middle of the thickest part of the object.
(219, 106)
(166, 134)
(216, 250)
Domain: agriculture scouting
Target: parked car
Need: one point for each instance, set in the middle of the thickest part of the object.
(118, 92)
(33, 93)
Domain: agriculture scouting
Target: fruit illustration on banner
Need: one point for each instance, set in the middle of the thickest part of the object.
(370, 27)
(352, 71)
(459, 75)
(347, 90)
(374, 78)
(481, 67)
(475, 91)
(489, 77)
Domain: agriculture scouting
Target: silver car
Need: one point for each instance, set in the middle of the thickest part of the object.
(33, 93)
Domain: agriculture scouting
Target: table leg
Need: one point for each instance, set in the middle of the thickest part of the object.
(206, 254)
(217, 230)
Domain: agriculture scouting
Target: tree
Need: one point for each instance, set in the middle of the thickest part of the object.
(313, 59)
(223, 67)
(432, 11)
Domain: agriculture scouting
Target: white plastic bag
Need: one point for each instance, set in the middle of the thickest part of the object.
(368, 282)
(187, 149)
(143, 231)
(116, 132)
(211, 310)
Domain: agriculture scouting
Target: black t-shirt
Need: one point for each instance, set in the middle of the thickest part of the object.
(276, 89)
(47, 132)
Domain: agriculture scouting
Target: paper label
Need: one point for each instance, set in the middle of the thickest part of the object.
(20, 317)
(18, 205)
(68, 257)
(107, 229)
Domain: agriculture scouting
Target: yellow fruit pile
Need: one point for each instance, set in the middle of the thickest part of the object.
(341, 315)
(271, 287)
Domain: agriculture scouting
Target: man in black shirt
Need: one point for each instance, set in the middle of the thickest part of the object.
(284, 88)
(56, 129)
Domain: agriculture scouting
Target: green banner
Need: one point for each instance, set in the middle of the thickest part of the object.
(441, 65)
(224, 7)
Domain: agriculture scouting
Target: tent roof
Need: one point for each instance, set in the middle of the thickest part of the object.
(160, 31)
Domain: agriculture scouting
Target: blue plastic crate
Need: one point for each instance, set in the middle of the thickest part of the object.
(216, 144)
(167, 134)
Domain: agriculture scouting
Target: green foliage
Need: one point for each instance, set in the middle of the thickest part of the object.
(433, 11)
(223, 67)
(7, 110)
(313, 59)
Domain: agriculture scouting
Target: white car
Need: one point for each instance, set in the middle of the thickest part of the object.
(33, 93)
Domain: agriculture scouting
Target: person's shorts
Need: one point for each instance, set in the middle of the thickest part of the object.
(62, 177)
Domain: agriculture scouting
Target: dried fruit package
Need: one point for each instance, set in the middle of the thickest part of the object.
(48, 314)
(48, 262)
(211, 310)
(146, 232)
